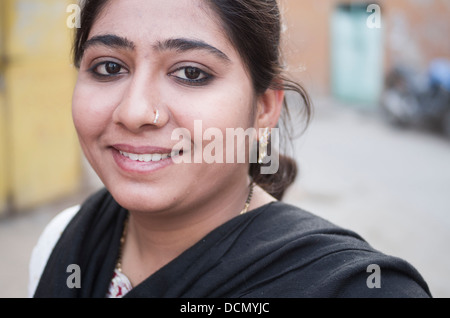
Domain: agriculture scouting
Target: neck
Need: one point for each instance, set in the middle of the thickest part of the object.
(153, 240)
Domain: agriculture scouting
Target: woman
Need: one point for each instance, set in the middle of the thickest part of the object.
(155, 78)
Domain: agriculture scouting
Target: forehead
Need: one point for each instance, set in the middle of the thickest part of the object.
(146, 22)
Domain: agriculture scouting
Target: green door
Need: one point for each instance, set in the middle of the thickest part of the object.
(356, 55)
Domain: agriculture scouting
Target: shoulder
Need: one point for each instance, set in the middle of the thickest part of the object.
(45, 245)
(279, 219)
(284, 225)
(316, 258)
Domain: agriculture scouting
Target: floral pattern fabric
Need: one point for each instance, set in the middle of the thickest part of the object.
(120, 285)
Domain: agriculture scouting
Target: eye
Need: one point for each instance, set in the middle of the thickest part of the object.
(108, 69)
(191, 75)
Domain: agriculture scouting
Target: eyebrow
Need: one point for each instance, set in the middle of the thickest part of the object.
(178, 44)
(109, 40)
(185, 45)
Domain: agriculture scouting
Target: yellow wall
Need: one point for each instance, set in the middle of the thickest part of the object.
(3, 179)
(42, 155)
(3, 175)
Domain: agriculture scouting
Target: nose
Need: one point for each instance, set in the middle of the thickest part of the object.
(140, 106)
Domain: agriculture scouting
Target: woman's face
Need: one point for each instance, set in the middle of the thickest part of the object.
(169, 57)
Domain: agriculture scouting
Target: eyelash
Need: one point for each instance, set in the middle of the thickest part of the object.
(199, 82)
(96, 74)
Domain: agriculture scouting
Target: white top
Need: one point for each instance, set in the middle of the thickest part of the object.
(45, 245)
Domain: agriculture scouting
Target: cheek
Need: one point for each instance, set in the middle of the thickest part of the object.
(210, 136)
(90, 111)
(224, 108)
(238, 103)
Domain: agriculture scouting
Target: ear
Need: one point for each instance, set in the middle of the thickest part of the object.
(270, 105)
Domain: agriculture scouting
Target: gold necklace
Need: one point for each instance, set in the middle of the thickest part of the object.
(122, 243)
(249, 199)
(125, 226)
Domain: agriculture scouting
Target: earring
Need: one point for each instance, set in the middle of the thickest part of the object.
(156, 117)
(263, 143)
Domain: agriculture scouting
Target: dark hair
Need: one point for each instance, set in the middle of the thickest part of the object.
(254, 28)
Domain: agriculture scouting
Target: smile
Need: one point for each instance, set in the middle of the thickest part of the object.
(147, 157)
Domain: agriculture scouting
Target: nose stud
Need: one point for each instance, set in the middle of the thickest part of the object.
(156, 117)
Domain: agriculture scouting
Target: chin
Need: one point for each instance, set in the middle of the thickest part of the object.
(139, 200)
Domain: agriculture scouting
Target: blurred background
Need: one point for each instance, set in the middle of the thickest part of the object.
(375, 159)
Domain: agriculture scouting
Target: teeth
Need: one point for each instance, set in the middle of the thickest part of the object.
(146, 157)
(156, 157)
(133, 156)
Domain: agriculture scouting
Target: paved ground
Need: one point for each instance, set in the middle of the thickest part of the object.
(389, 185)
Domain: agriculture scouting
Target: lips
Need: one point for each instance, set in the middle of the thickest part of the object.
(142, 159)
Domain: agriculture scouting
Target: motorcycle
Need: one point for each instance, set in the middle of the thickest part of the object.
(414, 99)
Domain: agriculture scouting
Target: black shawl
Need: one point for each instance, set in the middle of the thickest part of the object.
(274, 251)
